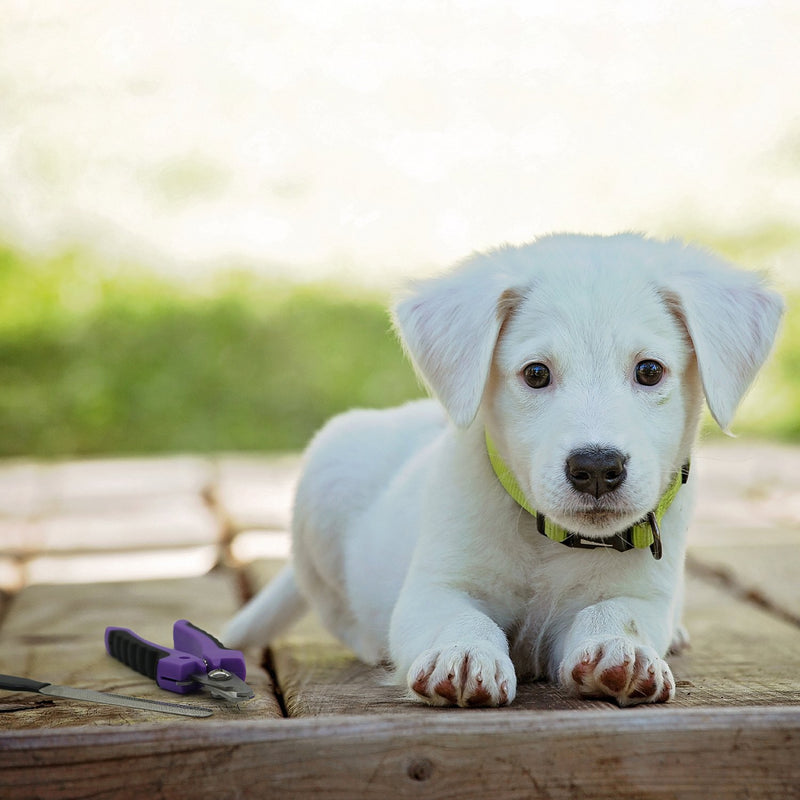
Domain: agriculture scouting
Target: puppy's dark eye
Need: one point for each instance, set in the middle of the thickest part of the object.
(649, 372)
(537, 376)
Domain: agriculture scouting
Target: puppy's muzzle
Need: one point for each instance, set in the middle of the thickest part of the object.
(596, 470)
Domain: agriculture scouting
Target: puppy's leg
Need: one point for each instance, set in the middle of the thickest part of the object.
(680, 635)
(680, 640)
(268, 614)
(608, 653)
(450, 652)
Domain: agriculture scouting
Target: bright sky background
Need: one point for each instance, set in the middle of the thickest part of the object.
(368, 139)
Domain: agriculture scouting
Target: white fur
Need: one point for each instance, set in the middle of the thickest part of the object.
(408, 547)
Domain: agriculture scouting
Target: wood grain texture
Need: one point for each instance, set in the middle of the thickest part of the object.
(739, 655)
(732, 732)
(768, 571)
(55, 633)
(105, 505)
(657, 753)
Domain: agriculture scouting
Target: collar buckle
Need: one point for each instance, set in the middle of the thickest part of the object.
(656, 548)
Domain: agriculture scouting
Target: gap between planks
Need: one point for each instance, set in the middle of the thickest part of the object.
(728, 581)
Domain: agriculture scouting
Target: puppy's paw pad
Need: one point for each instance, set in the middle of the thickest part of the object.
(616, 678)
(583, 671)
(620, 670)
(446, 689)
(652, 683)
(463, 676)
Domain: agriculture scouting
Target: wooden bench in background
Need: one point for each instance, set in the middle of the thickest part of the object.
(141, 543)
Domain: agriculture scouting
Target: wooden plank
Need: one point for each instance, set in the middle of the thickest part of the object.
(740, 655)
(317, 676)
(104, 505)
(659, 753)
(114, 483)
(255, 492)
(21, 489)
(20, 499)
(746, 483)
(86, 567)
(746, 526)
(70, 522)
(19, 537)
(11, 577)
(55, 633)
(142, 523)
(763, 568)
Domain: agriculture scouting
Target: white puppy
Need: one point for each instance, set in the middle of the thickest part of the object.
(571, 374)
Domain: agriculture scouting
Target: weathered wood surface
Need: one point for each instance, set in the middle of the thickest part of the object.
(320, 676)
(256, 493)
(55, 633)
(746, 527)
(739, 655)
(116, 518)
(735, 754)
(733, 731)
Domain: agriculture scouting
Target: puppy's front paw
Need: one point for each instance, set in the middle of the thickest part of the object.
(620, 669)
(464, 676)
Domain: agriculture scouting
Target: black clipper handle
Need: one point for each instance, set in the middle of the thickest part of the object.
(135, 652)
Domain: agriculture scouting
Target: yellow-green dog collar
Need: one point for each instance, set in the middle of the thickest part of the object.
(645, 533)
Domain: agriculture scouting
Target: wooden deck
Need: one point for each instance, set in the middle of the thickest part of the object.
(141, 543)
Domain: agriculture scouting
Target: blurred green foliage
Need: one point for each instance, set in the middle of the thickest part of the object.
(94, 360)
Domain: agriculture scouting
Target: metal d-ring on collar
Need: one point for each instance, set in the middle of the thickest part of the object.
(645, 533)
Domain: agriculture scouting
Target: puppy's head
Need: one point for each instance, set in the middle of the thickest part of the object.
(588, 359)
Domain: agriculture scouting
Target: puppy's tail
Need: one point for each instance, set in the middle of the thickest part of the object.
(277, 606)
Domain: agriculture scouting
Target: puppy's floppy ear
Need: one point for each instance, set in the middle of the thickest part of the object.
(449, 327)
(732, 319)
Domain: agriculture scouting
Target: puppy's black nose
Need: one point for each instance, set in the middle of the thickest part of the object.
(596, 470)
